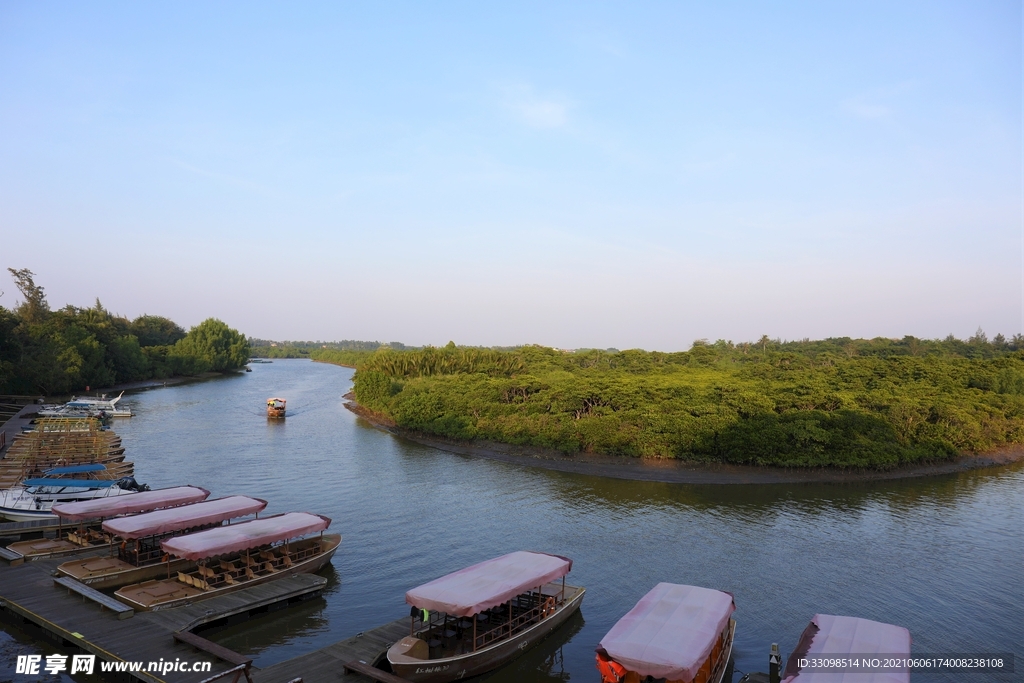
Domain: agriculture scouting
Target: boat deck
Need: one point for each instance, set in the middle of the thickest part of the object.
(29, 599)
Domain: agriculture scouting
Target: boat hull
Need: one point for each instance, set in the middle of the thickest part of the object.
(43, 548)
(490, 657)
(184, 595)
(105, 573)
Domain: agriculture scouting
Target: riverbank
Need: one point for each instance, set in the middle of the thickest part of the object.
(675, 471)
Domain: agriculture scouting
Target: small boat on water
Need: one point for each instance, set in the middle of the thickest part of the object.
(838, 637)
(237, 556)
(136, 554)
(33, 499)
(275, 407)
(88, 533)
(479, 618)
(676, 633)
(87, 407)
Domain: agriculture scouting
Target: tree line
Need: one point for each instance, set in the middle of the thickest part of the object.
(54, 352)
(841, 402)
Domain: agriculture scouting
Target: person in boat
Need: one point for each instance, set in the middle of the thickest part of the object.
(676, 634)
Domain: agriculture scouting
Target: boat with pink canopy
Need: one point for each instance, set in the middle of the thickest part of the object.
(837, 637)
(675, 633)
(137, 538)
(236, 556)
(478, 618)
(85, 517)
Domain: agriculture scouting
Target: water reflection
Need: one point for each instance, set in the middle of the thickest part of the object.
(544, 662)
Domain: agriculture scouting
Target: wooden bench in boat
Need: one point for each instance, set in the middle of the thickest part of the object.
(122, 610)
(361, 667)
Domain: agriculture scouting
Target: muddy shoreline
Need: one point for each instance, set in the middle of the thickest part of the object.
(674, 471)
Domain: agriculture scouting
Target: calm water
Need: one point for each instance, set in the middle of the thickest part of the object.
(941, 556)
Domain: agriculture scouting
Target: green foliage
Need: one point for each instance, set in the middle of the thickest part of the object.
(55, 352)
(210, 345)
(834, 403)
(350, 358)
(153, 330)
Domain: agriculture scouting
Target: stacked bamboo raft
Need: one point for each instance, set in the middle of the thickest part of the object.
(63, 442)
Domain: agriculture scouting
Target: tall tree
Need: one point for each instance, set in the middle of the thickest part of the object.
(34, 308)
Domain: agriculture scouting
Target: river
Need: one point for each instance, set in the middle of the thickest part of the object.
(941, 556)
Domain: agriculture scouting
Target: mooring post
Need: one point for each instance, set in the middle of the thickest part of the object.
(774, 661)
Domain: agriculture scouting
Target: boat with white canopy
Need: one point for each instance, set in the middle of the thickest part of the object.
(32, 499)
(839, 637)
(85, 406)
(136, 553)
(676, 633)
(85, 517)
(237, 556)
(477, 619)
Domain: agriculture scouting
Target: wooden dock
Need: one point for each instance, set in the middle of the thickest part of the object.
(30, 599)
(328, 664)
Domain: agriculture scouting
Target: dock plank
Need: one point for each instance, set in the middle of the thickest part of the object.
(328, 663)
(122, 610)
(28, 591)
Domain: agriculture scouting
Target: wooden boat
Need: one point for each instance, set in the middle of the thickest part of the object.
(275, 407)
(137, 555)
(838, 637)
(676, 633)
(237, 556)
(477, 619)
(88, 535)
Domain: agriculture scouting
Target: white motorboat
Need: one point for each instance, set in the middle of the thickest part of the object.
(33, 498)
(87, 407)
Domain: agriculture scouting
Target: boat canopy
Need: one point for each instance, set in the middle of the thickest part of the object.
(72, 483)
(183, 517)
(671, 631)
(488, 584)
(238, 537)
(76, 469)
(840, 636)
(130, 504)
(272, 401)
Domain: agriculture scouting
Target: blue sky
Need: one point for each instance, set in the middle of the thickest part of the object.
(577, 175)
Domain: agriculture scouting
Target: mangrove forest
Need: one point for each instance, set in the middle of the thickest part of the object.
(877, 403)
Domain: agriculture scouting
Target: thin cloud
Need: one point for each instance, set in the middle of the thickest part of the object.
(223, 177)
(534, 110)
(866, 110)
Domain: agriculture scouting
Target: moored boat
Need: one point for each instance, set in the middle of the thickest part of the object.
(479, 618)
(88, 534)
(276, 407)
(87, 407)
(33, 499)
(139, 556)
(840, 637)
(237, 556)
(675, 633)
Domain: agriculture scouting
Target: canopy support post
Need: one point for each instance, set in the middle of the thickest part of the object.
(474, 632)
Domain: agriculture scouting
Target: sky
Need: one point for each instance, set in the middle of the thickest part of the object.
(629, 175)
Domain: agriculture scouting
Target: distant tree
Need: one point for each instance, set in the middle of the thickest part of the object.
(212, 344)
(34, 308)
